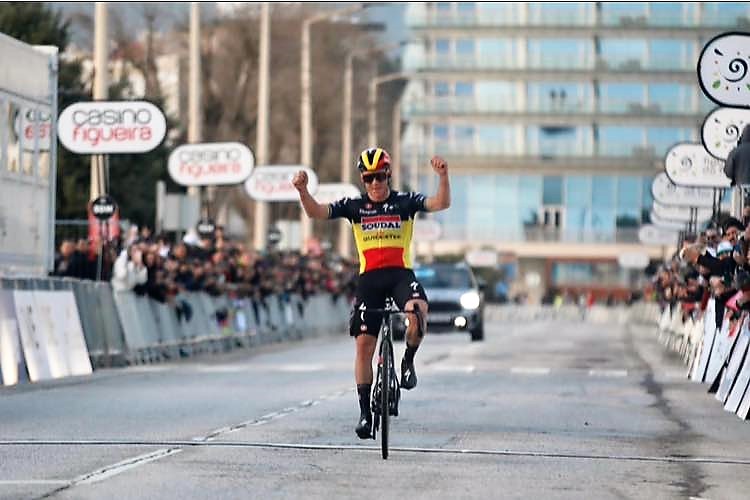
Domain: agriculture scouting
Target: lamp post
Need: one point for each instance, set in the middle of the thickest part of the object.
(372, 101)
(261, 142)
(98, 176)
(306, 152)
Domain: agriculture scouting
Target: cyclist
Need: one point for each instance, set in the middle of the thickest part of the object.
(382, 220)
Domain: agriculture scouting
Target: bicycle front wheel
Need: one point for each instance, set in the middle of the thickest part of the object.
(387, 355)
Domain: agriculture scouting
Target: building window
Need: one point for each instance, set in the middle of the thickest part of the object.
(620, 141)
(465, 47)
(442, 46)
(561, 53)
(464, 89)
(442, 89)
(624, 13)
(624, 54)
(623, 97)
(440, 132)
(552, 190)
(672, 97)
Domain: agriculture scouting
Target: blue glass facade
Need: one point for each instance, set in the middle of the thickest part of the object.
(562, 121)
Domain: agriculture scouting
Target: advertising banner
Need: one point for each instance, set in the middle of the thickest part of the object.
(330, 192)
(689, 164)
(34, 125)
(67, 329)
(679, 214)
(649, 234)
(104, 127)
(722, 129)
(211, 164)
(11, 357)
(667, 193)
(665, 223)
(33, 340)
(723, 70)
(274, 183)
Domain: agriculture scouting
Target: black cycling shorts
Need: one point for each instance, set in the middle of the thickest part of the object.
(373, 288)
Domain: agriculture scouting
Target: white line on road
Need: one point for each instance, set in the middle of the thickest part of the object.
(125, 465)
(454, 368)
(32, 482)
(529, 370)
(608, 373)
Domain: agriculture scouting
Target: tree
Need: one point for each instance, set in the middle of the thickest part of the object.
(229, 65)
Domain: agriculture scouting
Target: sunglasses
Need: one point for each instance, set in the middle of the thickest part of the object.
(380, 176)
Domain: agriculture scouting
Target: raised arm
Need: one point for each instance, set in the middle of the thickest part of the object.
(313, 209)
(442, 198)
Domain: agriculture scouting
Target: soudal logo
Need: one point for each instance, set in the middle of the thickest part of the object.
(381, 222)
(101, 127)
(211, 164)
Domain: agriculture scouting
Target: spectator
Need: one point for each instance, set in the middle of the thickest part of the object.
(129, 270)
(737, 166)
(64, 260)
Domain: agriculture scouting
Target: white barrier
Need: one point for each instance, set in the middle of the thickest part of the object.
(42, 328)
(719, 357)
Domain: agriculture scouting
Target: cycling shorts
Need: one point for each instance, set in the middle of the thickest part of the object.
(373, 289)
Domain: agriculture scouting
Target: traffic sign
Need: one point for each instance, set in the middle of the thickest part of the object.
(103, 207)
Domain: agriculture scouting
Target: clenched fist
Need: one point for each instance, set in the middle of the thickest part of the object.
(439, 165)
(299, 181)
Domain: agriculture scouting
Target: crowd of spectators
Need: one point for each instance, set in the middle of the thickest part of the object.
(162, 269)
(715, 263)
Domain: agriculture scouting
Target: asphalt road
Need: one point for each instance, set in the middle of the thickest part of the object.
(538, 410)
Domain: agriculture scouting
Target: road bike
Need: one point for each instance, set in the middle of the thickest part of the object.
(386, 375)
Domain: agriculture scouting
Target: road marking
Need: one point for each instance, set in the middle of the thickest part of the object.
(454, 368)
(608, 373)
(529, 370)
(32, 482)
(295, 368)
(125, 465)
(175, 444)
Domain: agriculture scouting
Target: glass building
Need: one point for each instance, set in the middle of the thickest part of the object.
(554, 118)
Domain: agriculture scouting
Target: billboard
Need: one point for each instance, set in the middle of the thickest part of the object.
(274, 183)
(722, 129)
(330, 192)
(211, 164)
(689, 164)
(665, 192)
(679, 214)
(723, 69)
(649, 234)
(104, 127)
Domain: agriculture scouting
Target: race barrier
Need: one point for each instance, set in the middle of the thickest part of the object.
(714, 355)
(52, 328)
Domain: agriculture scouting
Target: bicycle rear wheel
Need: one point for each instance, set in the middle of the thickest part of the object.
(386, 351)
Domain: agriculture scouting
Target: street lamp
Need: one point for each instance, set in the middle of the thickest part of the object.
(372, 101)
(305, 105)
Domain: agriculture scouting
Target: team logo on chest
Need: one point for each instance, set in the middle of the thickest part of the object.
(381, 223)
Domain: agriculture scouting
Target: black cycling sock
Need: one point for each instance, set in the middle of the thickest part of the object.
(363, 390)
(410, 352)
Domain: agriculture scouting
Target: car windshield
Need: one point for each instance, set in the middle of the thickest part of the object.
(443, 277)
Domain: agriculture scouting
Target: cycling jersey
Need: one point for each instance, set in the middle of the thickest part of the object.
(382, 230)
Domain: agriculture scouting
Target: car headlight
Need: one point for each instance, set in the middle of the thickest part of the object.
(470, 300)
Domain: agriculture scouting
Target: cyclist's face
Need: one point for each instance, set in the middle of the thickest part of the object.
(376, 185)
